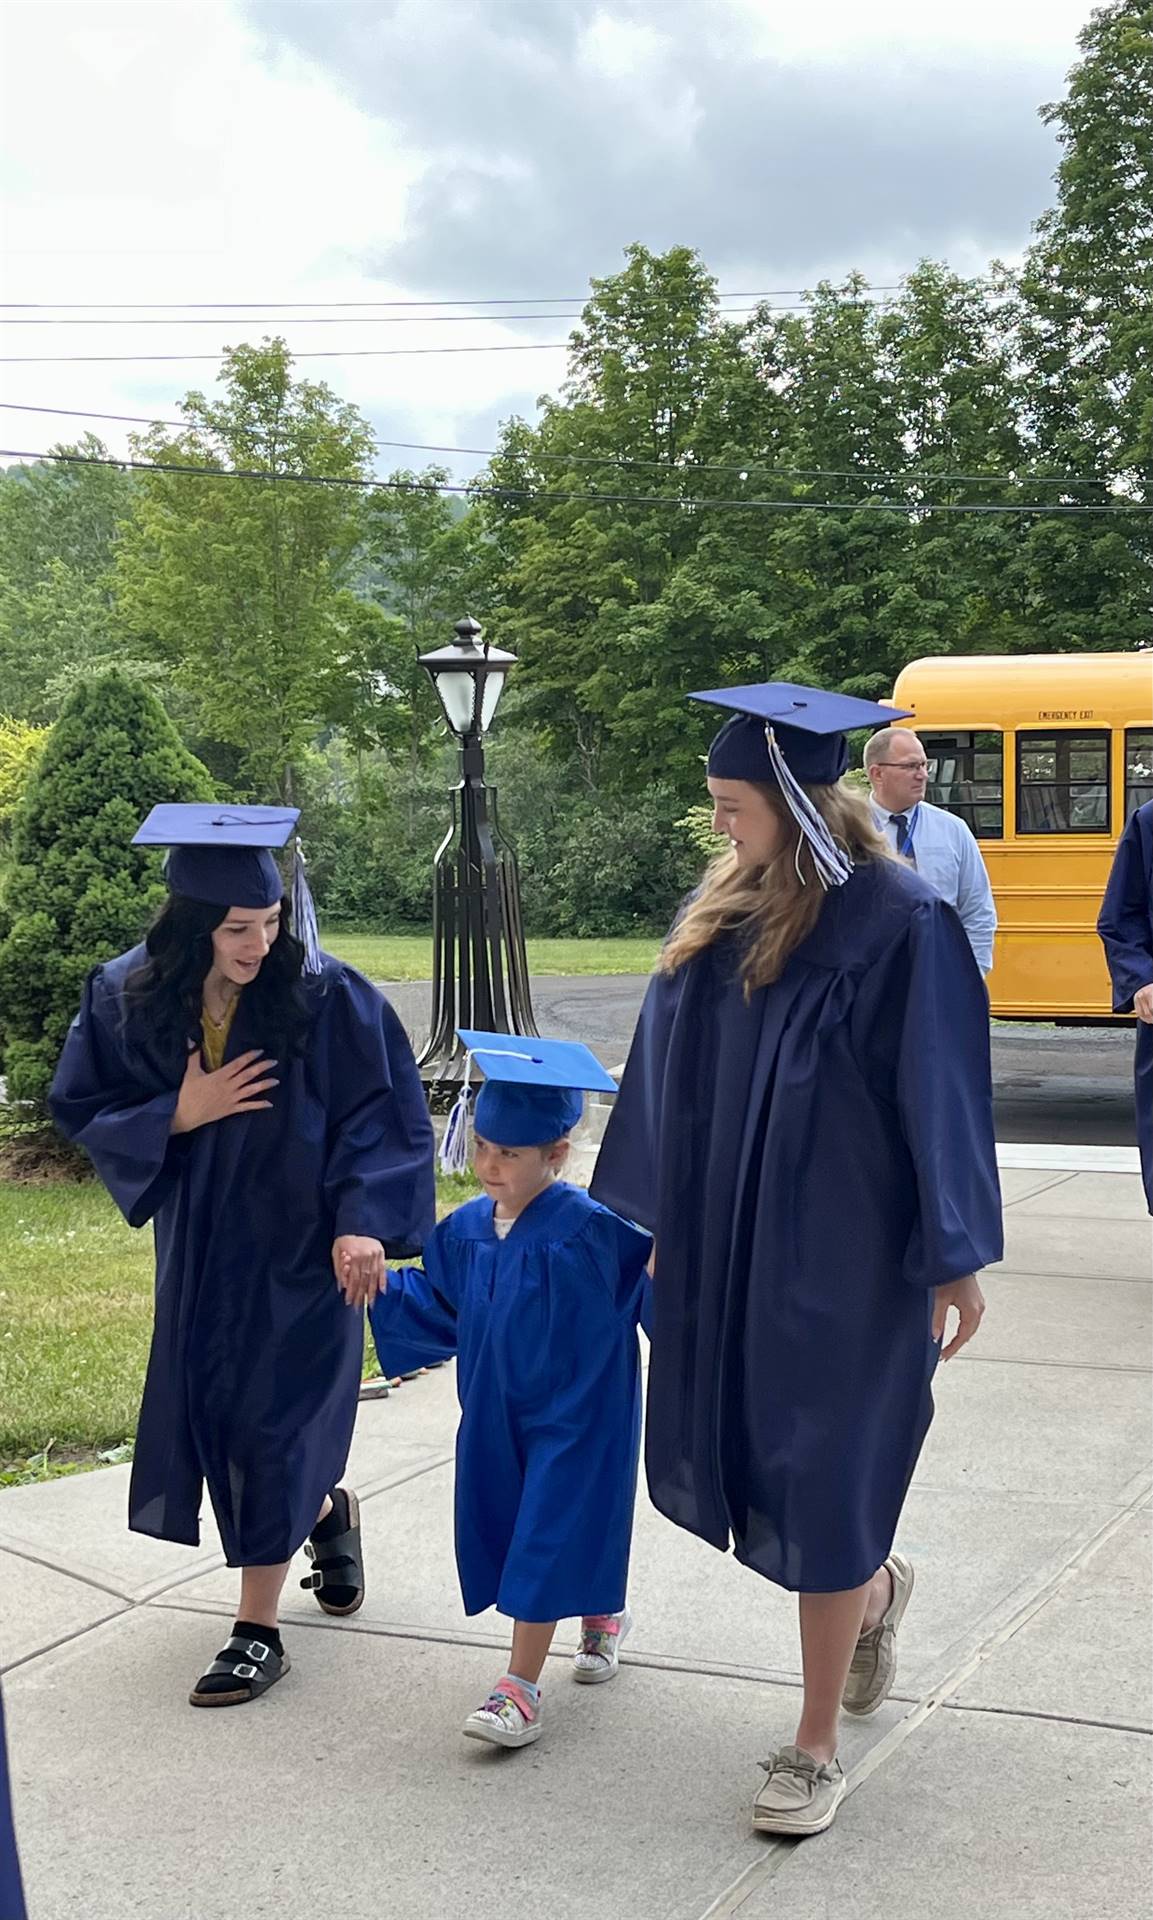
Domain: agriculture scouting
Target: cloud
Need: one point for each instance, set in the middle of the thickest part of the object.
(544, 135)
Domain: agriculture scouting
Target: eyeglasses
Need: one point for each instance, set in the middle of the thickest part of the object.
(906, 766)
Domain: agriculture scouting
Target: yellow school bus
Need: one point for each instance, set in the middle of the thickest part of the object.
(1044, 756)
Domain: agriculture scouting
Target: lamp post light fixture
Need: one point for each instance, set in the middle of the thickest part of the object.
(479, 964)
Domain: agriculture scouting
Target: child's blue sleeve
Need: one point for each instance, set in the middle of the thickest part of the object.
(623, 1252)
(412, 1314)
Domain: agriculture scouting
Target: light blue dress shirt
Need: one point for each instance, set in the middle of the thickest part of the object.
(948, 858)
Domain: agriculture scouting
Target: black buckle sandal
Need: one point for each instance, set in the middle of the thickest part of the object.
(338, 1563)
(252, 1662)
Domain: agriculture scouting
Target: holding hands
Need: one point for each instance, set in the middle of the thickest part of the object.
(359, 1267)
(235, 1088)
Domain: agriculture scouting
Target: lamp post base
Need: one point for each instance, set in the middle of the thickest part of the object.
(480, 965)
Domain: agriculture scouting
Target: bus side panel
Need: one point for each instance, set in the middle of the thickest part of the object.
(1048, 961)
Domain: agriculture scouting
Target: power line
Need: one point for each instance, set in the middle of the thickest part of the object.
(567, 498)
(334, 353)
(369, 319)
(286, 306)
(742, 471)
(325, 353)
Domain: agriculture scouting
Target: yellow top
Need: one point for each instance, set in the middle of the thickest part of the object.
(216, 1037)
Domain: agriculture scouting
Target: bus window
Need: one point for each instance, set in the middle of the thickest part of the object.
(1062, 782)
(1138, 768)
(966, 777)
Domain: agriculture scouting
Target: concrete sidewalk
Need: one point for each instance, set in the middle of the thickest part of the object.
(1008, 1777)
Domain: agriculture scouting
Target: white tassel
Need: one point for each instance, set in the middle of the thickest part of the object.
(304, 913)
(832, 863)
(454, 1143)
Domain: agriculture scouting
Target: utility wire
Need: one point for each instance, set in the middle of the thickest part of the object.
(364, 319)
(592, 499)
(742, 472)
(334, 353)
(284, 306)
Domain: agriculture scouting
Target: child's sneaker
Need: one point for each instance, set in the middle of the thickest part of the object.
(599, 1654)
(508, 1718)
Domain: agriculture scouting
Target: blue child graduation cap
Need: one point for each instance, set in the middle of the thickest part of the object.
(793, 737)
(222, 856)
(532, 1093)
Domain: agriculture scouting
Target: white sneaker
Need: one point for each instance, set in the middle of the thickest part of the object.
(599, 1654)
(508, 1717)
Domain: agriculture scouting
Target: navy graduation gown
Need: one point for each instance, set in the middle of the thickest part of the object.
(255, 1364)
(1126, 929)
(11, 1892)
(544, 1326)
(813, 1160)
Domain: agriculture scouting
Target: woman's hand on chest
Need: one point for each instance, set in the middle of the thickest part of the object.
(237, 1087)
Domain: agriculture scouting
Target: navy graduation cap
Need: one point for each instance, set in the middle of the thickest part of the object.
(532, 1093)
(221, 855)
(793, 737)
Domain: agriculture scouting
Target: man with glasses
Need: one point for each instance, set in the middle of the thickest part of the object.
(937, 843)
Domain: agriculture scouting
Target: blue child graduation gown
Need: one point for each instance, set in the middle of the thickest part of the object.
(544, 1325)
(812, 1159)
(255, 1364)
(1126, 929)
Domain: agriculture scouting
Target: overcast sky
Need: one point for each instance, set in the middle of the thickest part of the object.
(436, 150)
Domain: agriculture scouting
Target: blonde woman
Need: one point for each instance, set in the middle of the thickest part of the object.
(805, 1125)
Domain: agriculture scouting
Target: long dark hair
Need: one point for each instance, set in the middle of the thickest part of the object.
(167, 991)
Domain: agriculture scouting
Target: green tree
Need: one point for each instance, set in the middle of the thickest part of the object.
(1087, 284)
(78, 891)
(601, 601)
(426, 562)
(59, 525)
(21, 746)
(244, 585)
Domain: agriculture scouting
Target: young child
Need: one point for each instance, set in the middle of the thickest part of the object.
(537, 1289)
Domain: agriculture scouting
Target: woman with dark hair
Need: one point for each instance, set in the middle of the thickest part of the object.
(805, 1126)
(258, 1101)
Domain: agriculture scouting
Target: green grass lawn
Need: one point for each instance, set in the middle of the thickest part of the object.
(408, 956)
(75, 1319)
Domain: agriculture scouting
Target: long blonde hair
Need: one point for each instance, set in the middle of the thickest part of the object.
(774, 907)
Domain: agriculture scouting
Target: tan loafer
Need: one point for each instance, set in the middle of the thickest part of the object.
(800, 1796)
(874, 1666)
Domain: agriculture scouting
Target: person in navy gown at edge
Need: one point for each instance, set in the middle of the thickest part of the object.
(11, 1886)
(257, 1100)
(805, 1126)
(1126, 929)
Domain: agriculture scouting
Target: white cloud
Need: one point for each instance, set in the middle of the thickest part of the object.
(168, 151)
(841, 29)
(149, 153)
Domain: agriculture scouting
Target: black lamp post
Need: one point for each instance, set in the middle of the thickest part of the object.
(479, 965)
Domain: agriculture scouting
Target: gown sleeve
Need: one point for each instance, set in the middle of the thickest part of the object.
(105, 1104)
(625, 1179)
(620, 1252)
(417, 1311)
(1126, 920)
(929, 1011)
(379, 1175)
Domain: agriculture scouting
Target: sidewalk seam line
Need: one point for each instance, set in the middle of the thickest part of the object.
(1042, 1713)
(56, 1566)
(65, 1639)
(1058, 1180)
